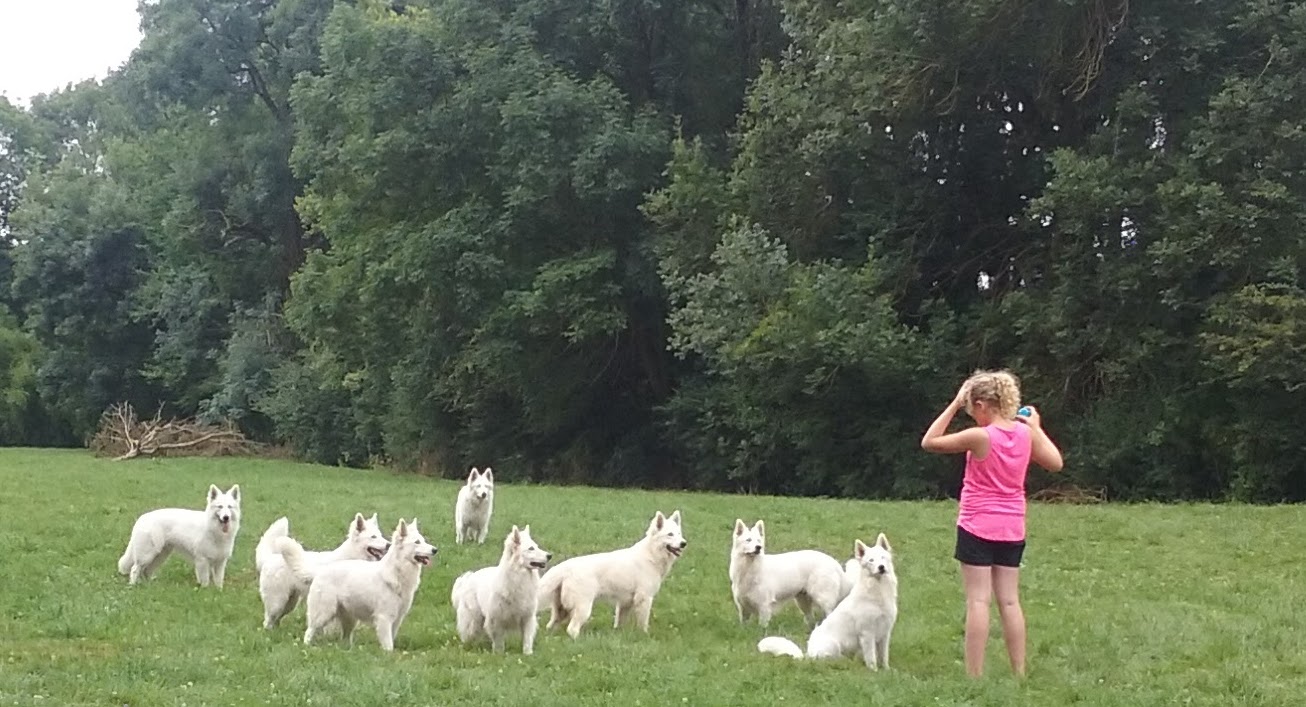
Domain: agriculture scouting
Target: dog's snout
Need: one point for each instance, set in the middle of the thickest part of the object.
(881, 569)
(683, 543)
(548, 556)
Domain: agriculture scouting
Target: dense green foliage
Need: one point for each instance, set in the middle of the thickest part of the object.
(734, 245)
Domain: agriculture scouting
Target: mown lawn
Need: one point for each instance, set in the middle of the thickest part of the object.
(1127, 605)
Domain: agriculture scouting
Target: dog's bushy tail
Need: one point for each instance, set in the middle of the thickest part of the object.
(460, 586)
(549, 590)
(293, 553)
(267, 545)
(776, 645)
(125, 562)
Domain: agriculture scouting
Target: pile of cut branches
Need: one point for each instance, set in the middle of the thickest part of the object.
(121, 435)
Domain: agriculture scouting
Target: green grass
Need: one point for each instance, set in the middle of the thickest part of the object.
(1127, 605)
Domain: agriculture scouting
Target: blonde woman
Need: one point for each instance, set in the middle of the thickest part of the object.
(991, 516)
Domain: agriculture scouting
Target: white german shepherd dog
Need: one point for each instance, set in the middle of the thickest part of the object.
(281, 589)
(629, 578)
(471, 514)
(760, 583)
(205, 538)
(350, 591)
(863, 621)
(496, 601)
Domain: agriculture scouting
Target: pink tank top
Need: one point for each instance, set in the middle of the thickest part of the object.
(993, 490)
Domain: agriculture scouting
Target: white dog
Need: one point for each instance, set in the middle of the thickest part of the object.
(281, 589)
(349, 591)
(496, 601)
(863, 622)
(471, 515)
(629, 578)
(205, 538)
(760, 583)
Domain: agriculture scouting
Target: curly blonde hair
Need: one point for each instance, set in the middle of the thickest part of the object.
(1001, 389)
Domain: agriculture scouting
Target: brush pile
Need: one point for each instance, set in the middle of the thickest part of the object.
(122, 435)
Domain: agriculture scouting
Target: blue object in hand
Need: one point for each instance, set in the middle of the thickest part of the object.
(1025, 411)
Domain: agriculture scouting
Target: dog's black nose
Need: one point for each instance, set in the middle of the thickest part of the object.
(435, 550)
(548, 556)
(683, 543)
(882, 569)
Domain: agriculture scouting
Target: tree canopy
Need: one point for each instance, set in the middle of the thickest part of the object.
(744, 245)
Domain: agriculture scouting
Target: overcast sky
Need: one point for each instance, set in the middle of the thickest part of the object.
(46, 44)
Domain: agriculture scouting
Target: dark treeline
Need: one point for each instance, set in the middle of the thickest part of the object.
(730, 244)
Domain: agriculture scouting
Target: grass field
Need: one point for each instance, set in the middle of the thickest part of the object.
(1127, 605)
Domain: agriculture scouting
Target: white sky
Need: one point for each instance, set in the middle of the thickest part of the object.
(47, 44)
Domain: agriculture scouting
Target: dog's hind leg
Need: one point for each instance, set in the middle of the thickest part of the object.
(347, 624)
(469, 622)
(580, 614)
(804, 602)
(145, 569)
(617, 613)
(278, 607)
(557, 612)
(316, 619)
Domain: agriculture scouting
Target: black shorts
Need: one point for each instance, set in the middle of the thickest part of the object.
(974, 550)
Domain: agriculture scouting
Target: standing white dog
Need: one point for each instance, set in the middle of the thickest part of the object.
(205, 538)
(629, 578)
(496, 601)
(471, 515)
(281, 589)
(863, 622)
(760, 583)
(379, 593)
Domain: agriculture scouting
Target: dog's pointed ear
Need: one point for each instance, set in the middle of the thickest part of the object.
(488, 474)
(213, 492)
(659, 520)
(402, 529)
(234, 492)
(883, 541)
(471, 476)
(675, 516)
(359, 523)
(374, 520)
(412, 525)
(760, 527)
(516, 535)
(859, 549)
(527, 529)
(740, 527)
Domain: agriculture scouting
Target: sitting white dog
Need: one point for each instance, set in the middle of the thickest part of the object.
(760, 583)
(496, 601)
(205, 538)
(471, 515)
(863, 621)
